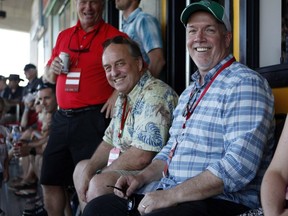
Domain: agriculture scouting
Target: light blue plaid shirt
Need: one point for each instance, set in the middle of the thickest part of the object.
(230, 133)
(145, 30)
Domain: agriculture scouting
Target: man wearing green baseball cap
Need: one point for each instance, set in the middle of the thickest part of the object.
(221, 138)
(212, 7)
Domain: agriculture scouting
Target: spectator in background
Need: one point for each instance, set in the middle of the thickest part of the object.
(221, 138)
(28, 124)
(29, 115)
(14, 99)
(2, 109)
(85, 98)
(15, 89)
(31, 74)
(145, 30)
(4, 171)
(38, 139)
(274, 192)
(4, 94)
(46, 106)
(4, 89)
(28, 132)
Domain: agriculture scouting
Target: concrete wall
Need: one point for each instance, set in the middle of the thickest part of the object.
(153, 7)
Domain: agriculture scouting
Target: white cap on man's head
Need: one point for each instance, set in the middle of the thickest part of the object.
(212, 7)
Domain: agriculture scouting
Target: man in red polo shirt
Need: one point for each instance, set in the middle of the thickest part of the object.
(84, 97)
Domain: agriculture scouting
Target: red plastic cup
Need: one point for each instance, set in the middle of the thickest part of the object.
(18, 144)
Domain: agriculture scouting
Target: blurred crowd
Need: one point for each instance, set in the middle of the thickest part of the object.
(25, 116)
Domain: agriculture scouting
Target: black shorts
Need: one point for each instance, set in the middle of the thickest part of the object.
(72, 139)
(112, 205)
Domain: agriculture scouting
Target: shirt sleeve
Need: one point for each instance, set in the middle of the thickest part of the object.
(149, 32)
(247, 120)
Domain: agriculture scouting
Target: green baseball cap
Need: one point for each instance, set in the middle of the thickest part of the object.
(212, 7)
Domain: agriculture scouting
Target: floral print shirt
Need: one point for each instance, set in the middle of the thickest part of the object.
(148, 116)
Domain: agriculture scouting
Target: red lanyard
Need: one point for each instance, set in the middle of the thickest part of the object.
(123, 118)
(190, 111)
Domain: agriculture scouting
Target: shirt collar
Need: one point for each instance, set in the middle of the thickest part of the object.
(132, 16)
(96, 26)
(138, 88)
(196, 76)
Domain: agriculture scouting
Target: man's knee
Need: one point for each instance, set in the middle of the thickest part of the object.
(78, 170)
(98, 184)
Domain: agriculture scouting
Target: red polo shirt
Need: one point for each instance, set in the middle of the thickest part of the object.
(93, 87)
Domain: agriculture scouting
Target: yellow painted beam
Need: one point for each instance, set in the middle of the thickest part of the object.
(236, 29)
(163, 17)
(280, 99)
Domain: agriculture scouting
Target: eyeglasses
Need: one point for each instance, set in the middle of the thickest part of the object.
(87, 49)
(130, 200)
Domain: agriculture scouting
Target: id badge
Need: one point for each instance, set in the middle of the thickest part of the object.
(73, 80)
(113, 155)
